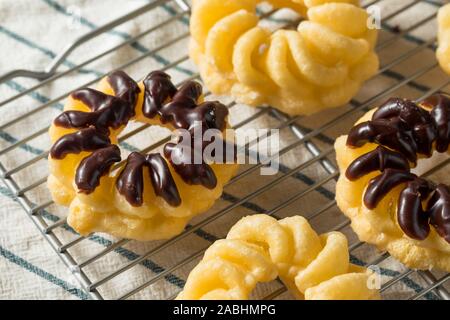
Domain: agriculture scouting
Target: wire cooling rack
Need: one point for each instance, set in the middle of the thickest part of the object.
(142, 267)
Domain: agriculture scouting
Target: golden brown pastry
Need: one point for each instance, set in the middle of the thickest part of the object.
(259, 248)
(320, 65)
(443, 50)
(388, 204)
(147, 196)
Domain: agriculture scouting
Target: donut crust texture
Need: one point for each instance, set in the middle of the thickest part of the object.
(320, 65)
(166, 201)
(379, 226)
(259, 248)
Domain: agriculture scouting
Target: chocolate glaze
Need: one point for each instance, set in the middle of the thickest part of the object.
(412, 218)
(210, 114)
(158, 89)
(95, 100)
(407, 130)
(182, 111)
(383, 132)
(107, 112)
(114, 116)
(130, 182)
(439, 210)
(441, 117)
(124, 87)
(94, 166)
(399, 125)
(89, 139)
(381, 185)
(194, 168)
(184, 165)
(379, 159)
(414, 122)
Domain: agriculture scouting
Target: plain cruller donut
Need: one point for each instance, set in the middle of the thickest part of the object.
(443, 50)
(259, 248)
(320, 65)
(147, 196)
(389, 205)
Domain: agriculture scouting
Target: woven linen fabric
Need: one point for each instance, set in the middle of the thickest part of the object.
(32, 33)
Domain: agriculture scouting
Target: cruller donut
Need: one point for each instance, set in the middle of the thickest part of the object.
(320, 65)
(443, 50)
(259, 248)
(388, 204)
(147, 196)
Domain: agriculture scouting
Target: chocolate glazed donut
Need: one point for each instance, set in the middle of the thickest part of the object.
(404, 130)
(111, 112)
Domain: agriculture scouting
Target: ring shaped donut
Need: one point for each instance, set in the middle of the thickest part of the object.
(389, 205)
(320, 65)
(259, 248)
(147, 196)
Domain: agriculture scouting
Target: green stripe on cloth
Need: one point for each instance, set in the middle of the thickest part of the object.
(35, 95)
(121, 34)
(128, 254)
(136, 45)
(227, 197)
(43, 50)
(13, 258)
(129, 147)
(391, 273)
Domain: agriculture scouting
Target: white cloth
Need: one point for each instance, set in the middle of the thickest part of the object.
(32, 33)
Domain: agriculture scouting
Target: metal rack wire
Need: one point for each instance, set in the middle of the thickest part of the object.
(309, 140)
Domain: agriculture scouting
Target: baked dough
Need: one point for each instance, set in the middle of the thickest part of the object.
(387, 204)
(320, 65)
(259, 248)
(443, 50)
(146, 197)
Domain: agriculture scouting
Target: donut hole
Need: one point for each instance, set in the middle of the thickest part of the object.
(275, 17)
(142, 139)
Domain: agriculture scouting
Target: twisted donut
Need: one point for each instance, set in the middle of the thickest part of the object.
(148, 196)
(443, 50)
(259, 248)
(389, 205)
(321, 65)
